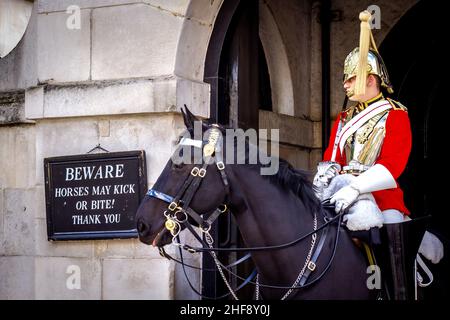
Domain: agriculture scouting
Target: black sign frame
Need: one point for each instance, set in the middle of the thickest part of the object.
(49, 163)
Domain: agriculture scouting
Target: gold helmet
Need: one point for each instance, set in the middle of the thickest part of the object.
(365, 59)
(375, 66)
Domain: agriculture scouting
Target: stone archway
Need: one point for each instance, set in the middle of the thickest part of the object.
(284, 32)
(194, 38)
(196, 34)
(277, 62)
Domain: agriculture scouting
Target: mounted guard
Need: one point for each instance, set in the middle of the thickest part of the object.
(371, 141)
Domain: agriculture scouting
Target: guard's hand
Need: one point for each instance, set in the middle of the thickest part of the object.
(431, 248)
(344, 198)
(326, 171)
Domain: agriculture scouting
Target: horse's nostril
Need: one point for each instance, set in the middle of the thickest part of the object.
(141, 227)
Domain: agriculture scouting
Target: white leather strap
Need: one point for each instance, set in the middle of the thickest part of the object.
(356, 122)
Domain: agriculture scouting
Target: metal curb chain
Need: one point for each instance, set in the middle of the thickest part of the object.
(302, 271)
(257, 287)
(210, 241)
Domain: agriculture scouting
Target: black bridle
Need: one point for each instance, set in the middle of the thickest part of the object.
(179, 206)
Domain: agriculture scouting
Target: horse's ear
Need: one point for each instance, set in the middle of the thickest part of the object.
(191, 115)
(185, 119)
(188, 117)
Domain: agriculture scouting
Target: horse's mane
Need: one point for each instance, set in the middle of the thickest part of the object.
(298, 182)
(288, 177)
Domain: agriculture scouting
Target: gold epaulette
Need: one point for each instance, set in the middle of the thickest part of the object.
(397, 105)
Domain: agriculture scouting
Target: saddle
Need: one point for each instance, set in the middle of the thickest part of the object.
(371, 237)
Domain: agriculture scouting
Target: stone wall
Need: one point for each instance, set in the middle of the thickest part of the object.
(287, 30)
(63, 91)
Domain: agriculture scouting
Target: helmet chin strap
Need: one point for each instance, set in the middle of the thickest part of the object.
(350, 94)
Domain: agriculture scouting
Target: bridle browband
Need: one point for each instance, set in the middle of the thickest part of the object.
(179, 210)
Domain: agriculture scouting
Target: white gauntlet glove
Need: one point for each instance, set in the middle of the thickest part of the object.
(326, 171)
(431, 248)
(374, 179)
(344, 198)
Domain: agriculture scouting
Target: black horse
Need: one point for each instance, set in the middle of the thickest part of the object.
(269, 211)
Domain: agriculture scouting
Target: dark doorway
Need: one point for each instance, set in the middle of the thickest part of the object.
(237, 71)
(415, 54)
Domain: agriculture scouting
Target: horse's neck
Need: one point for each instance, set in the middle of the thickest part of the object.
(270, 215)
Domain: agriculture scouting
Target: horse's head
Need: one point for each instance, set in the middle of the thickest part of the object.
(191, 182)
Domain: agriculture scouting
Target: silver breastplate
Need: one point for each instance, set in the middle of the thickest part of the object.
(363, 147)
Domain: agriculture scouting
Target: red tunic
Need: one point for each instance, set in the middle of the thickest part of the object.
(394, 156)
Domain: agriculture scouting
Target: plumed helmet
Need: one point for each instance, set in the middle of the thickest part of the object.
(375, 66)
(365, 59)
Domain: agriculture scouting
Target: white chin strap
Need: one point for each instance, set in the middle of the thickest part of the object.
(375, 179)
